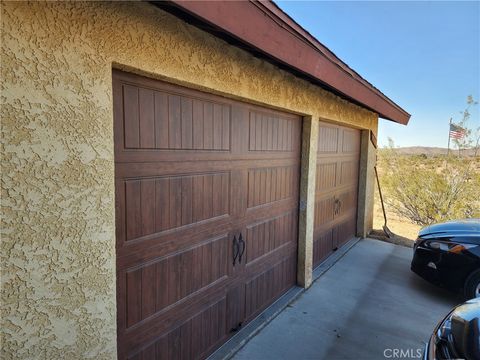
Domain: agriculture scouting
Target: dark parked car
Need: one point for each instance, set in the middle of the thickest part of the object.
(457, 336)
(448, 255)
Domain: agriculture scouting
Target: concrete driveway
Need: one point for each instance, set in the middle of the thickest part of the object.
(364, 307)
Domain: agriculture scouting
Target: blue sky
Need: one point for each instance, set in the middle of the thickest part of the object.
(424, 55)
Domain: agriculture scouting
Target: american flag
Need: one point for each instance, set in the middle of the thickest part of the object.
(456, 132)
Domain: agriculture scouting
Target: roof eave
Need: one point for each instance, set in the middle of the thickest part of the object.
(265, 28)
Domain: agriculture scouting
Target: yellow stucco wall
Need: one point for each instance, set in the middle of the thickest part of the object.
(58, 241)
(366, 185)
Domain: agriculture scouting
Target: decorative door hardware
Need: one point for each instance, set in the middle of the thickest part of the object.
(242, 242)
(235, 249)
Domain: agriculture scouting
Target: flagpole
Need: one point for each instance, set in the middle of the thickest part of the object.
(449, 127)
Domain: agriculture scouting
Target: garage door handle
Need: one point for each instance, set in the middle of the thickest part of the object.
(243, 248)
(235, 249)
(337, 207)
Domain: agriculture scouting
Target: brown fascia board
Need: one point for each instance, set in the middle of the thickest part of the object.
(266, 29)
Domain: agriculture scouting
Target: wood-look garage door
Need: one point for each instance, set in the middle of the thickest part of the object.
(336, 188)
(206, 215)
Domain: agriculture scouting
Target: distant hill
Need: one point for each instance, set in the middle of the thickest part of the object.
(431, 151)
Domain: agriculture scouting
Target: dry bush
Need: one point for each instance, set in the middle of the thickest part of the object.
(433, 189)
(427, 190)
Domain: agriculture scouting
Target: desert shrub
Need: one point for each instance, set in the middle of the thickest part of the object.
(432, 189)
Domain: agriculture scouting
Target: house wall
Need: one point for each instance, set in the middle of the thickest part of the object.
(366, 184)
(58, 249)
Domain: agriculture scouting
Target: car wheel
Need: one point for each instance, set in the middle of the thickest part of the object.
(472, 286)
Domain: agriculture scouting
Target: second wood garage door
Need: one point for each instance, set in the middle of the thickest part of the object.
(336, 188)
(206, 216)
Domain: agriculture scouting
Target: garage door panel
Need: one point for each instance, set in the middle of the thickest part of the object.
(147, 331)
(347, 202)
(153, 286)
(327, 139)
(326, 177)
(350, 141)
(267, 185)
(267, 236)
(154, 205)
(162, 244)
(334, 222)
(140, 158)
(345, 229)
(193, 172)
(262, 264)
(272, 132)
(336, 188)
(155, 119)
(348, 172)
(265, 286)
(263, 213)
(131, 116)
(323, 244)
(170, 168)
(324, 211)
(180, 342)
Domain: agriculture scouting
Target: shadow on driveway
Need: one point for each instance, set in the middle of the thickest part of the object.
(368, 304)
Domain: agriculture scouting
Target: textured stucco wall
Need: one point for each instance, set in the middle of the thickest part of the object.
(58, 242)
(366, 185)
(307, 201)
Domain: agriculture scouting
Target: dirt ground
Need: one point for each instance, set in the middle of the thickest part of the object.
(397, 225)
(405, 230)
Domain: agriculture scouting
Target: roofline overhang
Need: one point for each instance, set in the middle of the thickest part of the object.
(262, 28)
